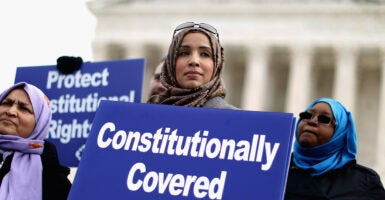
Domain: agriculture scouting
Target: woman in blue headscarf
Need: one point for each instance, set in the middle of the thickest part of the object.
(324, 159)
(29, 165)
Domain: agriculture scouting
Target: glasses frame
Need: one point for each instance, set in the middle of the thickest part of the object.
(312, 115)
(203, 26)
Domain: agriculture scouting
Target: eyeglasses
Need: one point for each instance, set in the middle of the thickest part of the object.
(204, 26)
(323, 119)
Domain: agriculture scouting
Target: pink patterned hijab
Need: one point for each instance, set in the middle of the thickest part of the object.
(24, 180)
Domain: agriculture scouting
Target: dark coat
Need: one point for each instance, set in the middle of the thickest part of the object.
(352, 182)
(56, 185)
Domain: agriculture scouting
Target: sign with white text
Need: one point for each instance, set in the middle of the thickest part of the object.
(147, 151)
(75, 97)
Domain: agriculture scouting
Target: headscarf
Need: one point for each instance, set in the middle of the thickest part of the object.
(338, 151)
(24, 180)
(197, 97)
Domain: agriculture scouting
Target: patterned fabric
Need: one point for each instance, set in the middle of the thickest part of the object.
(24, 180)
(334, 154)
(197, 97)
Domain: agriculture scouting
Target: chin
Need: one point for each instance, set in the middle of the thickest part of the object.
(191, 86)
(306, 142)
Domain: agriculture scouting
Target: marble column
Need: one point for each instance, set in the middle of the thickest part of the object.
(380, 151)
(255, 82)
(100, 51)
(345, 80)
(135, 50)
(300, 79)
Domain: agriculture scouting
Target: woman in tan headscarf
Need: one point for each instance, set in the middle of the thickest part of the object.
(192, 71)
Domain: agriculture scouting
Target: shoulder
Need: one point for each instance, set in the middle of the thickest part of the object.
(366, 179)
(49, 152)
(56, 184)
(366, 173)
(360, 170)
(364, 169)
(48, 146)
(362, 181)
(50, 159)
(218, 102)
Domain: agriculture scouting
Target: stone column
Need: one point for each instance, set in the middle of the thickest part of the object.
(380, 158)
(300, 79)
(345, 80)
(254, 88)
(135, 50)
(99, 51)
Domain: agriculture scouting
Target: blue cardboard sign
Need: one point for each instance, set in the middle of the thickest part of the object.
(147, 151)
(75, 97)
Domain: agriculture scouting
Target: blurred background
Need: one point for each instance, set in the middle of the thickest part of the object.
(37, 32)
(279, 54)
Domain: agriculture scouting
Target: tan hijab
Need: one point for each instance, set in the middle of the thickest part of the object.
(197, 97)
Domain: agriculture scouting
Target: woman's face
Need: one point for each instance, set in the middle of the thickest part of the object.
(194, 63)
(311, 132)
(156, 86)
(16, 114)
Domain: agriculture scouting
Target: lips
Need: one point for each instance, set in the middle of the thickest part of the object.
(7, 121)
(192, 73)
(308, 131)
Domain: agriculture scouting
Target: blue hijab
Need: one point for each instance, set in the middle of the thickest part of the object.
(334, 154)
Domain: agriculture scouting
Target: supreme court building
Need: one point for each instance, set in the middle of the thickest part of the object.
(279, 54)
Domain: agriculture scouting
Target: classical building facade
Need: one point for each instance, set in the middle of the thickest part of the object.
(280, 54)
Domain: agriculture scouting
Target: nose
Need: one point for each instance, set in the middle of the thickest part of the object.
(12, 111)
(194, 59)
(313, 120)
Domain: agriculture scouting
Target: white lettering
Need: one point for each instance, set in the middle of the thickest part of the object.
(77, 80)
(130, 179)
(175, 183)
(270, 155)
(105, 143)
(69, 103)
(65, 132)
(164, 141)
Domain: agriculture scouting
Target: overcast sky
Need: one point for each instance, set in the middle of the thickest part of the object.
(37, 32)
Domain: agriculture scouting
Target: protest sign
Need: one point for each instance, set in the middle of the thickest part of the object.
(147, 151)
(75, 97)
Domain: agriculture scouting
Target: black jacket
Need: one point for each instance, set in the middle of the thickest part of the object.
(56, 184)
(352, 182)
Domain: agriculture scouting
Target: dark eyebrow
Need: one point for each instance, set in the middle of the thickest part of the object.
(184, 46)
(24, 103)
(205, 48)
(7, 99)
(20, 103)
(188, 47)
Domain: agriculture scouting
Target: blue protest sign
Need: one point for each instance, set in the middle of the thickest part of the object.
(75, 97)
(146, 151)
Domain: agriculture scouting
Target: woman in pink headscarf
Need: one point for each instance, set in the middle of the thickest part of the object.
(29, 167)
